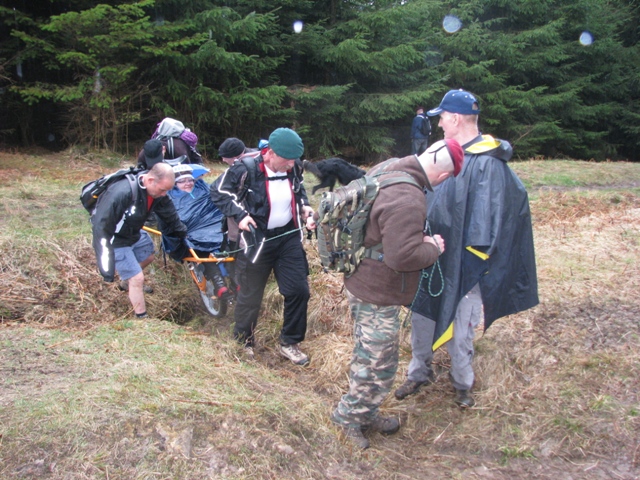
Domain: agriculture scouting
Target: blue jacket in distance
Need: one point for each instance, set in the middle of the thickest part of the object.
(416, 130)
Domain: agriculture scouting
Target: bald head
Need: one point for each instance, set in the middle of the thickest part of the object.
(442, 160)
(159, 180)
(160, 171)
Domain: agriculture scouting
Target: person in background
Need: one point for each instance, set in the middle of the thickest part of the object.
(489, 267)
(383, 282)
(232, 149)
(420, 131)
(179, 145)
(268, 197)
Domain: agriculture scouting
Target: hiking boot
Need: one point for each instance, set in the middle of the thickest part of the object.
(225, 295)
(464, 399)
(124, 286)
(355, 437)
(248, 353)
(384, 425)
(293, 353)
(410, 387)
(221, 287)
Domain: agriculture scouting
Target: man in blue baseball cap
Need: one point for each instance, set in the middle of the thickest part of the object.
(457, 101)
(489, 265)
(267, 200)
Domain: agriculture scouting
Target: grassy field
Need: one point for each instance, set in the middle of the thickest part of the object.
(87, 392)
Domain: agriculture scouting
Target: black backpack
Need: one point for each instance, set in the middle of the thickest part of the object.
(92, 190)
(425, 126)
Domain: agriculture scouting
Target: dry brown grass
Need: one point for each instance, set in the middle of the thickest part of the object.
(56, 285)
(89, 393)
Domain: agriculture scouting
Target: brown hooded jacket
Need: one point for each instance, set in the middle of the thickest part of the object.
(397, 220)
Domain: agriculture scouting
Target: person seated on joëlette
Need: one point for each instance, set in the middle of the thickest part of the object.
(204, 223)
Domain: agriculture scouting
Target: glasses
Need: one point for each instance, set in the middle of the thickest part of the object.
(185, 180)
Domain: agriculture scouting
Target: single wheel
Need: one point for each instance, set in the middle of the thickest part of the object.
(213, 304)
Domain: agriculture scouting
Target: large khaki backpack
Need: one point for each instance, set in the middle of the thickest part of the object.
(342, 221)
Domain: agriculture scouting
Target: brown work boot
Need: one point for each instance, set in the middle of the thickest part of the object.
(355, 437)
(410, 387)
(384, 425)
(464, 399)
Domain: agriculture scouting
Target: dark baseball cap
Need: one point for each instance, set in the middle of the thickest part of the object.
(153, 152)
(457, 101)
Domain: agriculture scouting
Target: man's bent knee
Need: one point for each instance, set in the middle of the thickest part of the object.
(300, 293)
(137, 281)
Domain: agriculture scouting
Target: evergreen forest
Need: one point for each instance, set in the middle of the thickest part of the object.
(557, 78)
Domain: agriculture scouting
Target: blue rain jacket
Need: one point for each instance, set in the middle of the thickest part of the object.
(200, 215)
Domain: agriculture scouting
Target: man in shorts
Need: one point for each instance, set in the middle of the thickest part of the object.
(118, 239)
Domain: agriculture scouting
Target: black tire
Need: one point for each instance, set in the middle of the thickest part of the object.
(213, 304)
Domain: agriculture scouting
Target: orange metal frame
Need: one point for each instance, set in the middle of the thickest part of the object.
(196, 259)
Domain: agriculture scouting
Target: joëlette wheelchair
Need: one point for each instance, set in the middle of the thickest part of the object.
(217, 307)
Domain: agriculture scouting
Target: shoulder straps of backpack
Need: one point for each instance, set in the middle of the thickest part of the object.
(425, 126)
(251, 165)
(402, 177)
(170, 149)
(133, 183)
(374, 252)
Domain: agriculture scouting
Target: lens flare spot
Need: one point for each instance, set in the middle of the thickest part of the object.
(451, 24)
(297, 26)
(586, 38)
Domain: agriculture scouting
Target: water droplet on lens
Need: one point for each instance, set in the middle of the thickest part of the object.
(586, 38)
(451, 24)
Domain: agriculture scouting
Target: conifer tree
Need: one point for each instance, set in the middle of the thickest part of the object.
(542, 88)
(104, 73)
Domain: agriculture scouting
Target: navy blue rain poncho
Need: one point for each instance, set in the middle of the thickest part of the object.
(200, 215)
(487, 208)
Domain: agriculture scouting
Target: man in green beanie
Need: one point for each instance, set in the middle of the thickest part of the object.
(265, 196)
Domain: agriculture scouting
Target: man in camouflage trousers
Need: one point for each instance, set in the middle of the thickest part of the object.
(387, 279)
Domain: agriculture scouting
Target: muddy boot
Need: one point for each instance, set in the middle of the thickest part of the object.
(464, 399)
(410, 387)
(124, 286)
(384, 425)
(352, 433)
(355, 437)
(248, 353)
